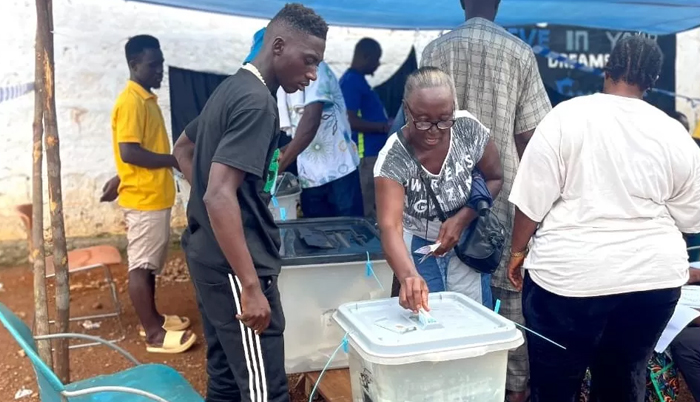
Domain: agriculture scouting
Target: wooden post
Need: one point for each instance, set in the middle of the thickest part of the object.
(53, 168)
(37, 252)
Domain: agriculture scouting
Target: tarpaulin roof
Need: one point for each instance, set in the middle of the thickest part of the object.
(652, 16)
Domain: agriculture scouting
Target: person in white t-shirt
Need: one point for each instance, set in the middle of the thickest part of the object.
(317, 120)
(612, 182)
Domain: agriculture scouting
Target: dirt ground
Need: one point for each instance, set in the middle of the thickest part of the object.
(89, 296)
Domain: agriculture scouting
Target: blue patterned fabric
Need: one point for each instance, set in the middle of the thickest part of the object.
(662, 380)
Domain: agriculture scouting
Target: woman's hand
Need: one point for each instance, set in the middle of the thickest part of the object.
(515, 272)
(414, 293)
(694, 276)
(451, 230)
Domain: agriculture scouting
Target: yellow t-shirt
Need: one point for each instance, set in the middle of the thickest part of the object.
(696, 133)
(137, 118)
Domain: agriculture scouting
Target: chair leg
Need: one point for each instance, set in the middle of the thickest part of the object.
(117, 303)
(115, 314)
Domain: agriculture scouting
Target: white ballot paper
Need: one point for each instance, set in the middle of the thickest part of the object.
(427, 251)
(682, 316)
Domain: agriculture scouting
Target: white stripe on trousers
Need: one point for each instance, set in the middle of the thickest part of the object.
(257, 380)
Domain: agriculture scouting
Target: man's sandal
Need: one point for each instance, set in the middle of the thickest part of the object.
(172, 343)
(171, 323)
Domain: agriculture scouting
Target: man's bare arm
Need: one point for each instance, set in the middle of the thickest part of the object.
(359, 124)
(305, 133)
(134, 154)
(521, 141)
(183, 151)
(224, 212)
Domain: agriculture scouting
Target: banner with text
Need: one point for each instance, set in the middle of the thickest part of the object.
(592, 48)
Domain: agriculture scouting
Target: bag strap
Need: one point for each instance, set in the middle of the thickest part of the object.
(441, 214)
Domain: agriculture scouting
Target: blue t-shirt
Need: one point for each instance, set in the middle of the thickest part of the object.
(359, 97)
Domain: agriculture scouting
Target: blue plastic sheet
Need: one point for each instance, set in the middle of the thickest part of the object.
(652, 16)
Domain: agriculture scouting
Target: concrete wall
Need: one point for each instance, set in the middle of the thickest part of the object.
(91, 71)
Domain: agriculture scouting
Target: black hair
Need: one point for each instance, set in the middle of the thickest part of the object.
(302, 18)
(635, 60)
(137, 44)
(368, 46)
(496, 3)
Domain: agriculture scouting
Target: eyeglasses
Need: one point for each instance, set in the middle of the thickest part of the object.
(427, 125)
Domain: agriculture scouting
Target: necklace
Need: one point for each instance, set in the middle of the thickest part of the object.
(255, 72)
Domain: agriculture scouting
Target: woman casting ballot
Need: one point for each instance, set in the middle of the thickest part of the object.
(441, 145)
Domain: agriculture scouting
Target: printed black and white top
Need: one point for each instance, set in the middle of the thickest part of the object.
(451, 186)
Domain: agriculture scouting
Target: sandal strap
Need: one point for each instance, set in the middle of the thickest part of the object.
(173, 339)
(172, 319)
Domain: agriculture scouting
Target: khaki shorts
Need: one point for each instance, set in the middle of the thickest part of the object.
(148, 236)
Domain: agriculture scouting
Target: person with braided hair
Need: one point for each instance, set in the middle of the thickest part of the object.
(606, 187)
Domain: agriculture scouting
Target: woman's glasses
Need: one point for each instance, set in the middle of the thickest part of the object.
(427, 125)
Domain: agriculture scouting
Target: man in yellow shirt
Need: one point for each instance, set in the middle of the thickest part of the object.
(146, 191)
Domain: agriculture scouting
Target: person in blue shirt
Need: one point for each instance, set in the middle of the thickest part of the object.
(368, 119)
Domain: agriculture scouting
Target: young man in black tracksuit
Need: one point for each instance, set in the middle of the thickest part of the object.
(230, 157)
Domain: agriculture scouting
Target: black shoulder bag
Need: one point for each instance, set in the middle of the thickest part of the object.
(481, 244)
